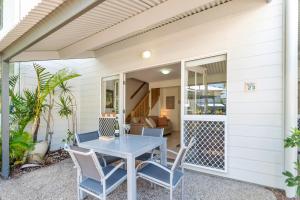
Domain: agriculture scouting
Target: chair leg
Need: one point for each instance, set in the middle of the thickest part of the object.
(182, 185)
(79, 194)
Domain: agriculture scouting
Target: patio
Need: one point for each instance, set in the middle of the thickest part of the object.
(58, 182)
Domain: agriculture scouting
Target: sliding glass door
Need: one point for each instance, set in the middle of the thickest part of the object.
(204, 111)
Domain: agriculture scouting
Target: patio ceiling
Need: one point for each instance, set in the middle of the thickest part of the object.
(109, 22)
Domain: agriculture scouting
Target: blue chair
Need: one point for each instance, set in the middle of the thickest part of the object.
(153, 132)
(167, 177)
(94, 135)
(92, 178)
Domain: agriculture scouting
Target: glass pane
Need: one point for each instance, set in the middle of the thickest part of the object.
(110, 94)
(205, 87)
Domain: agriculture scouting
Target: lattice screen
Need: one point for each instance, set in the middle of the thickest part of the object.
(209, 149)
(106, 126)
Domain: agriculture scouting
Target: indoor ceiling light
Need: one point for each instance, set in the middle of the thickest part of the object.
(165, 71)
(146, 54)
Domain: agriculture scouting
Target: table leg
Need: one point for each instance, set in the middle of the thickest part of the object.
(131, 178)
(163, 153)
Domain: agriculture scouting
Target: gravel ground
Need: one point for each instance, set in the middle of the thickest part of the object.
(57, 182)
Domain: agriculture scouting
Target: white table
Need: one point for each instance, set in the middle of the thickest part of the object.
(129, 147)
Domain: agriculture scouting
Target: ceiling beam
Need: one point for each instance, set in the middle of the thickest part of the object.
(47, 55)
(64, 14)
(133, 25)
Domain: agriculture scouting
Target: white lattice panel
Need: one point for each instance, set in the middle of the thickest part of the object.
(106, 126)
(209, 149)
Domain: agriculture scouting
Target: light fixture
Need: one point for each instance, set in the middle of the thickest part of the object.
(146, 54)
(165, 71)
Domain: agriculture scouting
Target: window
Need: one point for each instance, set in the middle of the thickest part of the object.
(205, 87)
(110, 94)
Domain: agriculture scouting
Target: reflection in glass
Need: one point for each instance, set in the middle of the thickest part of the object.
(205, 87)
(110, 94)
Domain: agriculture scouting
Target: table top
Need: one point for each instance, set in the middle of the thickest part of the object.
(125, 145)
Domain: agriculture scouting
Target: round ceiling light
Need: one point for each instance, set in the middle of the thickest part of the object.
(146, 54)
(165, 71)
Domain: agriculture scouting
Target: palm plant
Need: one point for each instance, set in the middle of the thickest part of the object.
(46, 84)
(68, 109)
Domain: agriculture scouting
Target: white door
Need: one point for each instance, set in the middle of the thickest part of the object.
(203, 111)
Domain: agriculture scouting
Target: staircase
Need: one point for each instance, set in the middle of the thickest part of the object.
(142, 109)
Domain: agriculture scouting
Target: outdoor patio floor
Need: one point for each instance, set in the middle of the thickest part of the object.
(57, 182)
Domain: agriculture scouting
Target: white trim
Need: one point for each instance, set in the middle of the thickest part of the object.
(205, 117)
(203, 61)
(211, 57)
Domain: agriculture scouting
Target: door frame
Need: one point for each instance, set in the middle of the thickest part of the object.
(204, 117)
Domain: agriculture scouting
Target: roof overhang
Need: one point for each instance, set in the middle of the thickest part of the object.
(76, 28)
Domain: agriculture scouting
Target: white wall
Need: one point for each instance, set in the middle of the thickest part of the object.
(172, 114)
(250, 32)
(167, 88)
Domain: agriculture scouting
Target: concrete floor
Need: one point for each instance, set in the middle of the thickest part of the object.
(57, 182)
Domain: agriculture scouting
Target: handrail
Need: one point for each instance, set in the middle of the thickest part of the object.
(141, 109)
(135, 93)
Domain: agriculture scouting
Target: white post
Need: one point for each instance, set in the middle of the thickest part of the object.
(5, 118)
(291, 83)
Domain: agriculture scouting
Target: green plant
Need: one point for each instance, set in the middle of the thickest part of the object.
(292, 142)
(21, 107)
(46, 84)
(68, 109)
(20, 142)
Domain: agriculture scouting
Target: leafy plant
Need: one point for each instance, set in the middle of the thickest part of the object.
(46, 84)
(292, 142)
(68, 109)
(20, 142)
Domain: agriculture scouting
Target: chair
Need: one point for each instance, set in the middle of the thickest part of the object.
(154, 132)
(167, 177)
(103, 159)
(92, 178)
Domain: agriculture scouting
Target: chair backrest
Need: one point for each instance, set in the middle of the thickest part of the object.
(106, 126)
(154, 132)
(84, 137)
(86, 161)
(182, 154)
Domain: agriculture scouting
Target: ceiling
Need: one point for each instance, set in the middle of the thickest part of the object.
(103, 16)
(107, 16)
(154, 74)
(79, 34)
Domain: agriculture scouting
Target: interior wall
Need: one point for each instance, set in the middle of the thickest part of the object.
(172, 114)
(131, 86)
(251, 34)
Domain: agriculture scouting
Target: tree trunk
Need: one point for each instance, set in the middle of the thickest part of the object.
(35, 128)
(48, 120)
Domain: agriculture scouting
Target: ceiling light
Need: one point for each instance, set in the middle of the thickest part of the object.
(165, 71)
(146, 54)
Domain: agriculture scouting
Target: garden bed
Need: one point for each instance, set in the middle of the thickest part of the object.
(51, 158)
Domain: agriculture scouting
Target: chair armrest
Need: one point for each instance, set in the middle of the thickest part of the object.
(113, 170)
(156, 164)
(173, 152)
